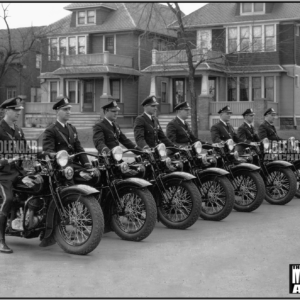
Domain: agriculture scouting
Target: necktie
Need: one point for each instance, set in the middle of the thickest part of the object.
(152, 119)
(114, 127)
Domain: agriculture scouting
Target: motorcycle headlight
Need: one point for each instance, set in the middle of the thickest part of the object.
(198, 147)
(117, 153)
(62, 158)
(162, 151)
(230, 144)
(236, 154)
(266, 143)
(69, 172)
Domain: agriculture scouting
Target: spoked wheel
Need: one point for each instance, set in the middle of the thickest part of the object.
(217, 195)
(249, 191)
(81, 232)
(297, 175)
(183, 206)
(136, 218)
(281, 186)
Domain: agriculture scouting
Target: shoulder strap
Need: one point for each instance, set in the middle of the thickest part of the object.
(64, 138)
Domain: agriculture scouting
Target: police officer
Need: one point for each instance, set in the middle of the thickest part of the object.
(267, 129)
(107, 134)
(9, 131)
(178, 130)
(246, 132)
(147, 131)
(223, 131)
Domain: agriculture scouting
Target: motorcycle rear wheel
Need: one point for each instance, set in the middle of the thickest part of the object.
(85, 226)
(185, 208)
(139, 217)
(252, 192)
(285, 187)
(217, 198)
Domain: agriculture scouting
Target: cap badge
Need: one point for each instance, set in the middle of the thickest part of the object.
(114, 103)
(66, 100)
(18, 101)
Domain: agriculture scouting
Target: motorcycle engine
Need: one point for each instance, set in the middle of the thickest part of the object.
(35, 212)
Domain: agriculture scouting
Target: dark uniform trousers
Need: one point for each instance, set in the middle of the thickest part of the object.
(247, 134)
(221, 132)
(109, 136)
(54, 142)
(149, 133)
(8, 173)
(266, 130)
(180, 134)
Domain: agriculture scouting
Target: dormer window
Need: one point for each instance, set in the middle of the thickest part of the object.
(257, 8)
(86, 17)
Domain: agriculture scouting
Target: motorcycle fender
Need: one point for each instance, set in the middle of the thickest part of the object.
(78, 189)
(279, 163)
(245, 167)
(181, 175)
(50, 219)
(212, 171)
(134, 182)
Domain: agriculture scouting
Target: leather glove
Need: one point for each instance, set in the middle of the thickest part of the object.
(105, 150)
(85, 175)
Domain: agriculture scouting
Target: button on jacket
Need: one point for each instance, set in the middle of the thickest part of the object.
(266, 130)
(247, 134)
(219, 132)
(147, 133)
(106, 136)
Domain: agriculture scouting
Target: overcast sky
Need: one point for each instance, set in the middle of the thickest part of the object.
(39, 14)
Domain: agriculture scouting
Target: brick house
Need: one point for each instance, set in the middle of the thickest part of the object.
(96, 54)
(251, 59)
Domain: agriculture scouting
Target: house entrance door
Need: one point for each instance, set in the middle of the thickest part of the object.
(212, 88)
(178, 91)
(88, 96)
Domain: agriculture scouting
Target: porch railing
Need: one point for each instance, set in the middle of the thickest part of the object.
(45, 107)
(104, 58)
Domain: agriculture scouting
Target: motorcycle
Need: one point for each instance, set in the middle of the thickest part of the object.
(279, 178)
(44, 205)
(177, 198)
(128, 206)
(215, 188)
(248, 185)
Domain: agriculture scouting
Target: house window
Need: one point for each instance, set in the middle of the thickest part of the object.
(204, 40)
(62, 46)
(72, 45)
(252, 8)
(256, 88)
(11, 92)
(163, 92)
(91, 17)
(232, 39)
(53, 49)
(86, 17)
(110, 44)
(53, 91)
(115, 89)
(38, 60)
(81, 18)
(36, 94)
(269, 88)
(72, 91)
(251, 38)
(244, 89)
(232, 89)
(81, 45)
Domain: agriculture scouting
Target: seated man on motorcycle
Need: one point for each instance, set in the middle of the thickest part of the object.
(267, 128)
(178, 130)
(107, 133)
(223, 130)
(9, 171)
(246, 132)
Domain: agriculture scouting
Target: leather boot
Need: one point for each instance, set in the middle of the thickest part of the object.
(46, 242)
(3, 247)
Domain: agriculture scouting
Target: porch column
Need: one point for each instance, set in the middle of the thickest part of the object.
(153, 86)
(203, 105)
(106, 97)
(61, 87)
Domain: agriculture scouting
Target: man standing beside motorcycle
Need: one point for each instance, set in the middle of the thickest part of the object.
(147, 130)
(223, 130)
(9, 131)
(107, 133)
(178, 130)
(267, 128)
(246, 132)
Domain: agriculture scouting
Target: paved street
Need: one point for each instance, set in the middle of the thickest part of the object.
(246, 255)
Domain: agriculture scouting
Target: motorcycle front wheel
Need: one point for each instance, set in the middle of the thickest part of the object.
(249, 189)
(183, 206)
(217, 198)
(136, 218)
(297, 175)
(281, 186)
(81, 232)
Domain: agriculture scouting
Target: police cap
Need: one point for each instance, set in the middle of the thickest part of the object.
(270, 111)
(61, 102)
(12, 103)
(151, 100)
(111, 105)
(248, 111)
(183, 105)
(225, 109)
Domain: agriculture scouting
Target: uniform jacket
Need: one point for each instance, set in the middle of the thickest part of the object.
(106, 136)
(180, 134)
(54, 142)
(266, 130)
(148, 134)
(247, 134)
(219, 132)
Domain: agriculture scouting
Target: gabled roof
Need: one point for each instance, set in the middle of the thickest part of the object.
(214, 14)
(80, 5)
(128, 16)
